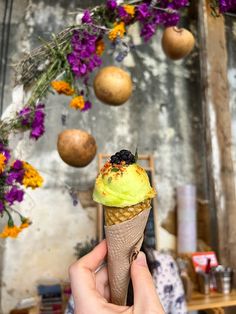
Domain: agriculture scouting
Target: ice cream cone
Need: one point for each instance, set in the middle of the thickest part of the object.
(124, 241)
(123, 188)
(116, 215)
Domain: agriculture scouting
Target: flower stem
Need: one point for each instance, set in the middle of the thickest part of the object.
(42, 85)
(10, 220)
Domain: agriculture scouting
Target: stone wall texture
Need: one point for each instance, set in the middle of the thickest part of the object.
(163, 118)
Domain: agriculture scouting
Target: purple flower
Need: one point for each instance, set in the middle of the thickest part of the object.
(148, 31)
(72, 58)
(14, 195)
(33, 118)
(86, 19)
(16, 173)
(151, 16)
(143, 12)
(77, 66)
(83, 58)
(124, 15)
(94, 62)
(87, 106)
(15, 176)
(170, 19)
(111, 4)
(18, 165)
(1, 207)
(159, 18)
(227, 5)
(174, 4)
(38, 122)
(25, 114)
(177, 4)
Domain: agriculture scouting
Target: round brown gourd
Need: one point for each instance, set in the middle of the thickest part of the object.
(177, 43)
(76, 148)
(113, 86)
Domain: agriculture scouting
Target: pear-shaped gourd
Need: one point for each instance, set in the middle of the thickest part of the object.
(177, 43)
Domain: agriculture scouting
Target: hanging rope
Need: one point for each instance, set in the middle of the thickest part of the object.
(6, 26)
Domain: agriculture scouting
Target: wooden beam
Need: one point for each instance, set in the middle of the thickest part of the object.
(217, 119)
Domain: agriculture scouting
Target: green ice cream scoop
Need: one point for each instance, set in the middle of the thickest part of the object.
(122, 185)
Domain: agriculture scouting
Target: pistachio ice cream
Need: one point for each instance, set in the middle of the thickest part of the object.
(122, 185)
(124, 190)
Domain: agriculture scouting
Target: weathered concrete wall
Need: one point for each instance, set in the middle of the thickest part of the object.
(231, 46)
(163, 118)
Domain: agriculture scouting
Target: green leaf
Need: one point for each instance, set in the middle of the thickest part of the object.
(109, 24)
(136, 154)
(114, 170)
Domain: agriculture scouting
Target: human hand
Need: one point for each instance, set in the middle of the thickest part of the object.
(90, 288)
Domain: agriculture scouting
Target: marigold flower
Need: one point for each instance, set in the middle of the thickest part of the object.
(100, 47)
(10, 231)
(118, 30)
(32, 178)
(130, 9)
(62, 87)
(25, 223)
(2, 162)
(77, 103)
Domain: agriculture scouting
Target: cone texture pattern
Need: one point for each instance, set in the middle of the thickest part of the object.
(116, 215)
(123, 240)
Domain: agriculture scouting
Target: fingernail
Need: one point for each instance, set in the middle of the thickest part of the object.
(141, 259)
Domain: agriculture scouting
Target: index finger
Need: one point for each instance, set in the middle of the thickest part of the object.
(82, 272)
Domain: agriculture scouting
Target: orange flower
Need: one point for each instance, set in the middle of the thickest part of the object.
(10, 231)
(25, 223)
(32, 178)
(77, 103)
(100, 47)
(118, 30)
(62, 87)
(130, 9)
(2, 162)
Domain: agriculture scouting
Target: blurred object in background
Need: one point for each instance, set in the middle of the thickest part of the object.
(83, 248)
(186, 217)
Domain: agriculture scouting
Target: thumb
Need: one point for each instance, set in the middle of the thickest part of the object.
(146, 299)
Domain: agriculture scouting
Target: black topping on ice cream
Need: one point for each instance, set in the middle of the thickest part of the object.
(123, 155)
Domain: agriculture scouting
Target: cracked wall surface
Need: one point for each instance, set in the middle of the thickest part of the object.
(163, 118)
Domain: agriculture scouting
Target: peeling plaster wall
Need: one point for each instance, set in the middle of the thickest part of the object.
(163, 118)
(230, 23)
(231, 46)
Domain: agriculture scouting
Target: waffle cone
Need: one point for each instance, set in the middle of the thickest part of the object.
(124, 241)
(116, 215)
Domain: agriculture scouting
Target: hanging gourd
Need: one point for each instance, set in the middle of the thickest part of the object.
(113, 86)
(76, 148)
(177, 43)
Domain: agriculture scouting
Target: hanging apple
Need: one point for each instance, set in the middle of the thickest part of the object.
(177, 43)
(113, 86)
(77, 148)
